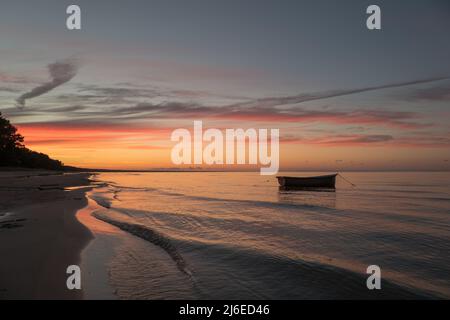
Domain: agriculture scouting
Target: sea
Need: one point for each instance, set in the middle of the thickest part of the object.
(237, 235)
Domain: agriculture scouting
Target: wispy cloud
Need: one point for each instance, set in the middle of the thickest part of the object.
(399, 119)
(60, 73)
(437, 93)
(270, 109)
(120, 92)
(371, 140)
(84, 115)
(83, 136)
(306, 97)
(343, 139)
(126, 92)
(9, 89)
(8, 78)
(274, 109)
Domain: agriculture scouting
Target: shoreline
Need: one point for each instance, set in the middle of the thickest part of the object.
(40, 233)
(97, 255)
(48, 221)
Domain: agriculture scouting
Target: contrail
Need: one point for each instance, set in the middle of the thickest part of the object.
(60, 73)
(277, 101)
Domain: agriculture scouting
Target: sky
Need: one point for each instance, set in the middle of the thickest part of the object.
(344, 97)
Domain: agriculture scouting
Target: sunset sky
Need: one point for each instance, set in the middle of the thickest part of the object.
(343, 97)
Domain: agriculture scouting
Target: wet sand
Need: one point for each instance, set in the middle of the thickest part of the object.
(98, 254)
(40, 235)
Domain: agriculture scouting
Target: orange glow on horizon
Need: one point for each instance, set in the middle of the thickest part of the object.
(149, 148)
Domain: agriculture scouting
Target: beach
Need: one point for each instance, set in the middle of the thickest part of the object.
(39, 233)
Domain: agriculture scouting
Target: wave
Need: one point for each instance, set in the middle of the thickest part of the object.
(319, 275)
(115, 189)
(304, 279)
(101, 201)
(149, 235)
(261, 203)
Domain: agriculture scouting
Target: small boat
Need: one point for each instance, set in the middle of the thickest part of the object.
(317, 182)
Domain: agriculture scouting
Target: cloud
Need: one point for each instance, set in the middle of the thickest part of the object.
(80, 114)
(7, 78)
(8, 89)
(126, 92)
(343, 139)
(423, 141)
(177, 110)
(439, 93)
(60, 73)
(278, 101)
(66, 109)
(92, 127)
(120, 92)
(168, 109)
(80, 135)
(431, 141)
(372, 138)
(270, 109)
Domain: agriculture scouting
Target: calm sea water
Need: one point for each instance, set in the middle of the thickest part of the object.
(237, 236)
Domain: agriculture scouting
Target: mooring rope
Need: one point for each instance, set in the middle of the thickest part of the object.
(353, 185)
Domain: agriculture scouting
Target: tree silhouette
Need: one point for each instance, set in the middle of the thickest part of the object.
(9, 138)
(14, 153)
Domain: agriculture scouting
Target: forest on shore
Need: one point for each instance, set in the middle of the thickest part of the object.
(14, 153)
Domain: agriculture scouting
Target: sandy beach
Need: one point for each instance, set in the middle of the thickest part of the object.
(37, 220)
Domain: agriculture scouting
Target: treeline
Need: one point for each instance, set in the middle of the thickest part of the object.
(13, 152)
